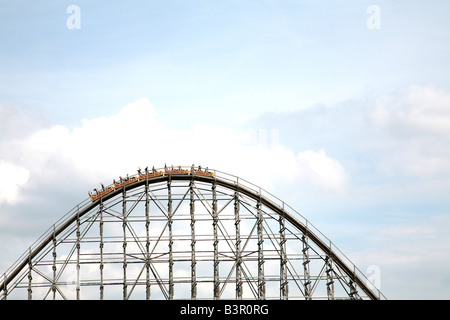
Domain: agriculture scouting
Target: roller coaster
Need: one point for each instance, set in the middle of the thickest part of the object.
(96, 194)
(184, 233)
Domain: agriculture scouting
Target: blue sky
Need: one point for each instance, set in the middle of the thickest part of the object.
(361, 116)
(298, 52)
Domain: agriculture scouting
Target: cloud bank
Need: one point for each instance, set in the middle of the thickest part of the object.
(12, 179)
(415, 130)
(103, 148)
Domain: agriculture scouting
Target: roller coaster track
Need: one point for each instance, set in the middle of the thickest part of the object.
(262, 207)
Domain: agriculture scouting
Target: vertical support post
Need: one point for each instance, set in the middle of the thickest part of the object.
(215, 243)
(147, 244)
(78, 254)
(169, 222)
(330, 281)
(307, 278)
(261, 280)
(101, 250)
(193, 260)
(54, 263)
(124, 227)
(237, 223)
(283, 260)
(30, 277)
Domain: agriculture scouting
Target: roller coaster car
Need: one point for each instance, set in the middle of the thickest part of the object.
(176, 171)
(150, 175)
(202, 173)
(101, 193)
(124, 182)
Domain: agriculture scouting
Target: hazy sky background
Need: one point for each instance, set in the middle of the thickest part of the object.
(342, 113)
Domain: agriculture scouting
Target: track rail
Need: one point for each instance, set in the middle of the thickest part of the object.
(222, 179)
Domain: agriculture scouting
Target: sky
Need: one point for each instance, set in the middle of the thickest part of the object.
(339, 108)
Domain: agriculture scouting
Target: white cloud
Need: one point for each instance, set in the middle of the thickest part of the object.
(421, 110)
(414, 132)
(322, 170)
(104, 148)
(12, 178)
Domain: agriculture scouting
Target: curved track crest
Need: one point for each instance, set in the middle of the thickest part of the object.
(184, 233)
